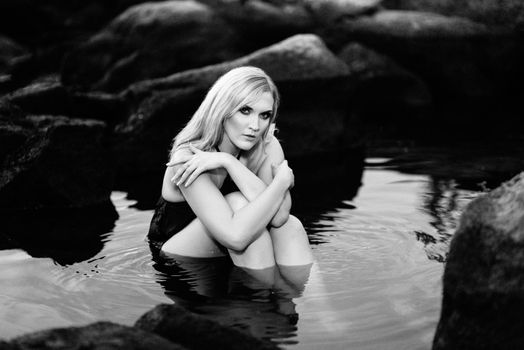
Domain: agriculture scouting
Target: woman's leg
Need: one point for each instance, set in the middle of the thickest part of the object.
(195, 241)
(290, 243)
(259, 254)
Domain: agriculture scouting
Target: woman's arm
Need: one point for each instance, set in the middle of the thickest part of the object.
(249, 184)
(236, 230)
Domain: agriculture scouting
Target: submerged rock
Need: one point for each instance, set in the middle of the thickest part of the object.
(312, 80)
(196, 332)
(96, 336)
(150, 40)
(483, 298)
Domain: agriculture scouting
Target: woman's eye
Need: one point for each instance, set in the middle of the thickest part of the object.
(265, 116)
(244, 110)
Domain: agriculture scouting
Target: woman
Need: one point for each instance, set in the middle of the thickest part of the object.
(230, 135)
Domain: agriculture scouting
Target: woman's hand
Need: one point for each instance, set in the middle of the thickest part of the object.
(196, 164)
(283, 172)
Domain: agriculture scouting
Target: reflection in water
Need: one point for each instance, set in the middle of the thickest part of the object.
(445, 202)
(258, 301)
(66, 235)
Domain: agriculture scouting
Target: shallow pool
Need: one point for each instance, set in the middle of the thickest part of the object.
(380, 245)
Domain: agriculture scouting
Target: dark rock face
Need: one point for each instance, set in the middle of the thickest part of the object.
(55, 162)
(196, 332)
(498, 12)
(9, 50)
(301, 66)
(49, 97)
(381, 88)
(261, 23)
(96, 336)
(483, 301)
(459, 59)
(147, 41)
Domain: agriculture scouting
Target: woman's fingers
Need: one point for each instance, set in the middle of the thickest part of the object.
(193, 176)
(188, 171)
(178, 173)
(178, 160)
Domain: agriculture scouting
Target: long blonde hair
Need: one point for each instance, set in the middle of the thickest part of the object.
(232, 91)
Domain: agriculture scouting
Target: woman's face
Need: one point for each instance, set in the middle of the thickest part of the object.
(245, 128)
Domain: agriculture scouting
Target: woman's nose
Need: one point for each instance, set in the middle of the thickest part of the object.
(254, 123)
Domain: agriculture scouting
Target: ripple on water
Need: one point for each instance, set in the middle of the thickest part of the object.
(373, 285)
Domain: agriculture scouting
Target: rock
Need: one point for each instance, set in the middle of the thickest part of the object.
(312, 82)
(459, 60)
(330, 11)
(495, 12)
(147, 41)
(96, 336)
(63, 163)
(49, 97)
(9, 51)
(483, 297)
(196, 332)
(260, 23)
(381, 88)
(67, 236)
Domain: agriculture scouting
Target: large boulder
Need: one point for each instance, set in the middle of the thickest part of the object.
(49, 97)
(383, 91)
(326, 12)
(264, 22)
(147, 41)
(313, 117)
(483, 298)
(460, 60)
(498, 12)
(197, 332)
(54, 162)
(96, 336)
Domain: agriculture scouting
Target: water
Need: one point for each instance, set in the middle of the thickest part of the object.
(380, 236)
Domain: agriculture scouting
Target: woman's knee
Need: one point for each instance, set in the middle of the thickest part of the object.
(294, 224)
(236, 200)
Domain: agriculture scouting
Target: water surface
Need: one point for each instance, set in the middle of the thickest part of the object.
(379, 243)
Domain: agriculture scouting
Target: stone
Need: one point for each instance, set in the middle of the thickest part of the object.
(96, 336)
(147, 41)
(56, 163)
(494, 12)
(311, 79)
(48, 96)
(9, 51)
(327, 12)
(382, 90)
(483, 292)
(459, 60)
(196, 332)
(260, 23)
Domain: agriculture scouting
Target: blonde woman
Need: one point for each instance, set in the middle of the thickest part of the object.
(230, 139)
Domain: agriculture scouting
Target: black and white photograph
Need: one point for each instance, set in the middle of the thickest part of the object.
(261, 174)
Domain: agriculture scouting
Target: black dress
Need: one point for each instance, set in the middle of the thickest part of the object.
(171, 217)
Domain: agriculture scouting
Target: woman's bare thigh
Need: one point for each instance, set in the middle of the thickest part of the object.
(194, 241)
